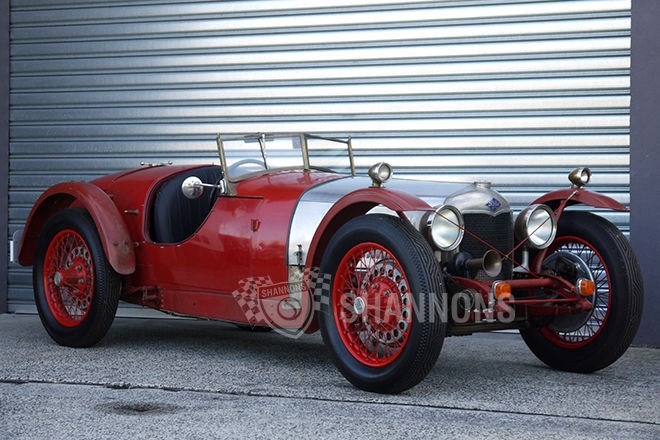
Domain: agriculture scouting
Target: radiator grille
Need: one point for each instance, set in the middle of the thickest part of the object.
(498, 231)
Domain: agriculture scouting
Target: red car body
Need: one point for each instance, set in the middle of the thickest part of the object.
(242, 235)
(245, 232)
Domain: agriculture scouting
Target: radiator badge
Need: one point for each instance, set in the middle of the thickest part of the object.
(494, 204)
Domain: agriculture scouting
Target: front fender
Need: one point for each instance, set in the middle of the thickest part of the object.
(555, 198)
(396, 200)
(357, 203)
(112, 230)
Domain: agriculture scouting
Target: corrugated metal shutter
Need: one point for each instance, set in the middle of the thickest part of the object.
(516, 92)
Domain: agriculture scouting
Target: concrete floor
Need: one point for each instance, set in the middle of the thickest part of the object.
(161, 378)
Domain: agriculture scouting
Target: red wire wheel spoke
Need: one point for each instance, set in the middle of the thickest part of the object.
(68, 278)
(602, 298)
(372, 304)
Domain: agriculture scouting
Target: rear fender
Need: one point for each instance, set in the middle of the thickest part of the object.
(576, 196)
(112, 230)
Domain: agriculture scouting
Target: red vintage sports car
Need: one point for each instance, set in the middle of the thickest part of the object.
(386, 269)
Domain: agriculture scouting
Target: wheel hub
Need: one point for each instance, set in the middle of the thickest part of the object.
(359, 306)
(571, 267)
(57, 278)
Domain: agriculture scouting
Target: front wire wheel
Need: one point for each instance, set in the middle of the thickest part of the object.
(588, 246)
(76, 290)
(383, 315)
(576, 331)
(372, 305)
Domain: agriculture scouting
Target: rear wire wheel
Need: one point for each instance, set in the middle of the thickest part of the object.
(68, 278)
(592, 340)
(383, 314)
(76, 290)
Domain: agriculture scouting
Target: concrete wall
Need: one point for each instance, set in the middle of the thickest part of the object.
(645, 158)
(4, 147)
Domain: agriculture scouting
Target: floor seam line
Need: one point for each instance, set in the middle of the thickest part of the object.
(126, 385)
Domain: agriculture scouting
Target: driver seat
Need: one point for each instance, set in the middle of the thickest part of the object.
(174, 217)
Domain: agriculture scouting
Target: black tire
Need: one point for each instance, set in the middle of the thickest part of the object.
(421, 339)
(78, 295)
(605, 335)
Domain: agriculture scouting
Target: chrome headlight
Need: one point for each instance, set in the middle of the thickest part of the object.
(445, 228)
(539, 223)
(380, 173)
(579, 177)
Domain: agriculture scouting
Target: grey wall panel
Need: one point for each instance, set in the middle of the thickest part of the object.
(645, 158)
(512, 91)
(4, 150)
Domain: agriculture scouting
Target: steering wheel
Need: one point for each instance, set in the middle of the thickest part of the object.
(233, 168)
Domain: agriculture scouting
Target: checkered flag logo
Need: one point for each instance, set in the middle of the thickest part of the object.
(247, 296)
(320, 282)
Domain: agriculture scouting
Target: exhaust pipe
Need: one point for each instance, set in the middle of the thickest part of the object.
(490, 263)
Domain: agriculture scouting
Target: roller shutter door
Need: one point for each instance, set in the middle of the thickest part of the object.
(515, 92)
